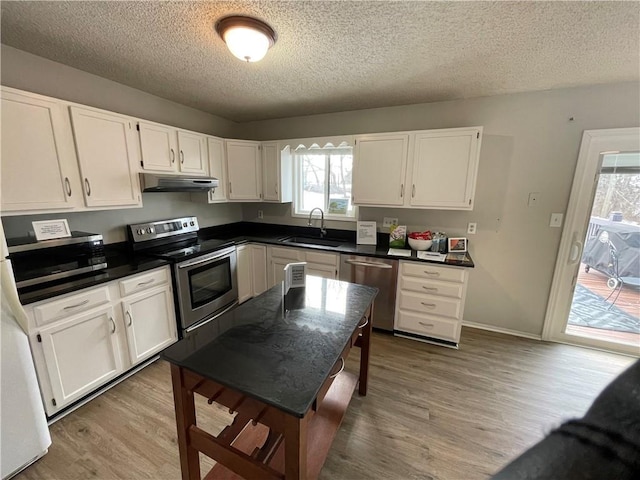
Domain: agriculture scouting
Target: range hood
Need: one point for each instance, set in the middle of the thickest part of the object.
(167, 183)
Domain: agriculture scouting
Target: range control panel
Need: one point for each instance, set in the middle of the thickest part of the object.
(141, 232)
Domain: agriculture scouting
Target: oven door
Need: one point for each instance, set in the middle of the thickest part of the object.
(206, 285)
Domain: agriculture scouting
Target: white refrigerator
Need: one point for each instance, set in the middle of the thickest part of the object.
(24, 434)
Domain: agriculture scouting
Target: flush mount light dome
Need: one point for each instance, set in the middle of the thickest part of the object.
(247, 38)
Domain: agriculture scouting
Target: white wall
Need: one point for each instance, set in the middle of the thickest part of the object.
(36, 74)
(530, 144)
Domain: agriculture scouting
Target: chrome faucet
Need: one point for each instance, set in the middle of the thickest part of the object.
(323, 231)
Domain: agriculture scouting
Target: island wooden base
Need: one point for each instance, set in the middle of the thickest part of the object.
(322, 428)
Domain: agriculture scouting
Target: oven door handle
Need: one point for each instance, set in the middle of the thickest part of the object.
(199, 324)
(206, 259)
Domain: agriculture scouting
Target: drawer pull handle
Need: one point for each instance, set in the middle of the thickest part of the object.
(339, 371)
(173, 156)
(69, 307)
(366, 320)
(435, 274)
(141, 284)
(113, 324)
(431, 289)
(181, 157)
(67, 184)
(130, 318)
(87, 187)
(428, 325)
(430, 305)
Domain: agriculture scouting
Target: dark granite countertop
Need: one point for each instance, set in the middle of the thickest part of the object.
(345, 241)
(279, 357)
(120, 263)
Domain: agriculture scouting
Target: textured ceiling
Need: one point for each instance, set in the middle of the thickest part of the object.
(335, 55)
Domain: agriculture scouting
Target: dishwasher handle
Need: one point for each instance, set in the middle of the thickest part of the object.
(369, 264)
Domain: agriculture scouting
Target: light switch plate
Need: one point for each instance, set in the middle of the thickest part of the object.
(556, 220)
(388, 221)
(471, 228)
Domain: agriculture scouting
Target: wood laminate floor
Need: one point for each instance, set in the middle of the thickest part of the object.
(431, 413)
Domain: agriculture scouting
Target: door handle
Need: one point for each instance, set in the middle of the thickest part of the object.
(181, 157)
(113, 330)
(401, 190)
(67, 184)
(576, 250)
(87, 186)
(173, 156)
(128, 314)
(413, 191)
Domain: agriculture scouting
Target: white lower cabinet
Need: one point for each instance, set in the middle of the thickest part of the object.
(430, 301)
(150, 322)
(252, 271)
(80, 353)
(318, 264)
(82, 340)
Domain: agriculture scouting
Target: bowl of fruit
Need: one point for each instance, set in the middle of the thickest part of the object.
(420, 240)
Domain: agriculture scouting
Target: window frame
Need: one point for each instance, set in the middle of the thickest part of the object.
(297, 178)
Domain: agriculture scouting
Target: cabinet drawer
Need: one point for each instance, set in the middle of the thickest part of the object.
(428, 326)
(427, 270)
(322, 258)
(430, 304)
(286, 253)
(71, 305)
(431, 287)
(143, 281)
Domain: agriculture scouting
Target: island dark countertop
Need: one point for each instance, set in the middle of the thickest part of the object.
(281, 359)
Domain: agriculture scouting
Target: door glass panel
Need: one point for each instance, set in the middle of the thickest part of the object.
(209, 282)
(606, 299)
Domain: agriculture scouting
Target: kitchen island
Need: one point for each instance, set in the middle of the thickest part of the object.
(278, 362)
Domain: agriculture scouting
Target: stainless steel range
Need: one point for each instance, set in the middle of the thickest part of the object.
(204, 271)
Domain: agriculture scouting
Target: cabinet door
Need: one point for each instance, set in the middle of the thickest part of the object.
(81, 354)
(104, 143)
(158, 147)
(270, 171)
(245, 289)
(192, 152)
(379, 169)
(320, 270)
(150, 322)
(217, 169)
(244, 170)
(277, 259)
(445, 164)
(38, 162)
(259, 269)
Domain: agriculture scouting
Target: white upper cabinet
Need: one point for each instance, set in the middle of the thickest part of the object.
(244, 170)
(158, 147)
(192, 150)
(39, 169)
(277, 173)
(217, 169)
(168, 149)
(105, 144)
(445, 166)
(434, 169)
(379, 169)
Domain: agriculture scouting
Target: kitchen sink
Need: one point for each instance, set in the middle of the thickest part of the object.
(312, 241)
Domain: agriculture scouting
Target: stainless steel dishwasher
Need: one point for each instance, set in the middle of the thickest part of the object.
(375, 272)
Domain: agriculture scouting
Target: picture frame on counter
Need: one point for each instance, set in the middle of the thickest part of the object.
(457, 245)
(51, 229)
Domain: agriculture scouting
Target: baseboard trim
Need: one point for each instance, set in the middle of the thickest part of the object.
(506, 331)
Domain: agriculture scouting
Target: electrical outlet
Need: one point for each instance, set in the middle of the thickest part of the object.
(388, 221)
(260, 214)
(556, 220)
(471, 228)
(533, 199)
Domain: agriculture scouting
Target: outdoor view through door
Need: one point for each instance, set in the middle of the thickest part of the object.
(606, 299)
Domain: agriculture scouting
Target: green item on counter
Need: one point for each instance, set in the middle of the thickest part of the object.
(397, 236)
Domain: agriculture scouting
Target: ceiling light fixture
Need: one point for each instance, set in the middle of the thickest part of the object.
(247, 38)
